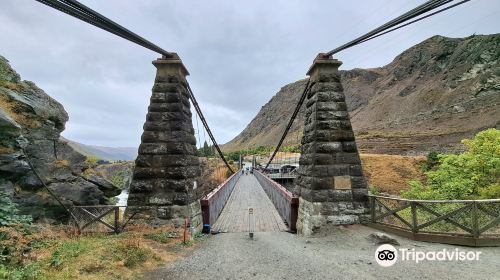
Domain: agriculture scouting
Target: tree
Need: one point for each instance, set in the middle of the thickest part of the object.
(469, 175)
(206, 149)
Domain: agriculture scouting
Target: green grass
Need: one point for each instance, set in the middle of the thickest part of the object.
(56, 256)
(162, 237)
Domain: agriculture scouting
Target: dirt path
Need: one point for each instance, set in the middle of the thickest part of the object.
(344, 253)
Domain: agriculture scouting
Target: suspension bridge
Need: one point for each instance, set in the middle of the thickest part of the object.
(325, 181)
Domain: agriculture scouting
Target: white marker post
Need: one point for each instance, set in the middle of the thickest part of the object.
(251, 223)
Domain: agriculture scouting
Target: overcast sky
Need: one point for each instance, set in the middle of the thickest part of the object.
(239, 53)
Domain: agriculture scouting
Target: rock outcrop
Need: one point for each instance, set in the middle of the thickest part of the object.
(428, 98)
(30, 126)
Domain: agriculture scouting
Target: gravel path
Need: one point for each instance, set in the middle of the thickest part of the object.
(343, 253)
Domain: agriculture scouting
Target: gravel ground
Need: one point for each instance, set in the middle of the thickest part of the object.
(342, 253)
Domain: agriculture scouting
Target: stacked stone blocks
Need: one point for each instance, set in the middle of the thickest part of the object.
(330, 182)
(167, 167)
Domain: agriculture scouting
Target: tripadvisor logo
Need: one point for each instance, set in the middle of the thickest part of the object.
(387, 255)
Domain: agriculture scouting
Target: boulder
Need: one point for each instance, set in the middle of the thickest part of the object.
(104, 185)
(382, 238)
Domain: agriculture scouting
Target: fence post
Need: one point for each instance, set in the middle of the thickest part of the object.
(117, 219)
(205, 215)
(475, 222)
(294, 214)
(414, 217)
(372, 204)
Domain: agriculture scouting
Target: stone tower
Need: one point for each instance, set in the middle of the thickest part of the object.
(330, 181)
(167, 168)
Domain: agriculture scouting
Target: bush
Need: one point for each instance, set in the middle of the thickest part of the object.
(471, 175)
(9, 212)
(92, 160)
(492, 191)
(373, 190)
(122, 179)
(432, 161)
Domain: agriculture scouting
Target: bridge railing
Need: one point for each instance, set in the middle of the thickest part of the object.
(285, 202)
(461, 222)
(213, 203)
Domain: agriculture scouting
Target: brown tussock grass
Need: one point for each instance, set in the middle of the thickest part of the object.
(391, 173)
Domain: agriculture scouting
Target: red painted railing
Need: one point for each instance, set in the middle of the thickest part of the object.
(213, 203)
(285, 202)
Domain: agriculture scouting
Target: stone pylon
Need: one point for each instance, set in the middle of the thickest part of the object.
(167, 168)
(330, 181)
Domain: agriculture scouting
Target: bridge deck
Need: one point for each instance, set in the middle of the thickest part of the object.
(249, 194)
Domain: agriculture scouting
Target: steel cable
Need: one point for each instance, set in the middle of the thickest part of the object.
(416, 20)
(84, 13)
(424, 8)
(290, 122)
(207, 128)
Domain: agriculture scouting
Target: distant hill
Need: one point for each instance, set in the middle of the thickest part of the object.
(106, 153)
(428, 98)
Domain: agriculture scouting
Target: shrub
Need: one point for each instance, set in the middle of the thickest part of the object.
(470, 175)
(432, 161)
(492, 191)
(92, 160)
(373, 190)
(122, 179)
(9, 212)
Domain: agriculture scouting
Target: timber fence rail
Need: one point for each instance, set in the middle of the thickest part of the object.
(104, 218)
(213, 203)
(461, 222)
(285, 202)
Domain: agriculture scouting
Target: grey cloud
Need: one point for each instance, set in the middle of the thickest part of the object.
(239, 53)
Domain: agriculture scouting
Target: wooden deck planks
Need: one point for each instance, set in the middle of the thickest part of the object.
(249, 194)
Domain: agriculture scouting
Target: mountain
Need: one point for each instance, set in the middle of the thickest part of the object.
(428, 98)
(105, 153)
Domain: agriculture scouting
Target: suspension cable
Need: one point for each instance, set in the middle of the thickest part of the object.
(379, 31)
(416, 20)
(51, 193)
(207, 128)
(386, 28)
(198, 129)
(84, 13)
(290, 122)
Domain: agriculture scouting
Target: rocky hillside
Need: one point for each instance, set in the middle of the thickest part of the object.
(32, 121)
(428, 98)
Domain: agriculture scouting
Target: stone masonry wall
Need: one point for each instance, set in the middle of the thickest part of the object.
(330, 182)
(167, 168)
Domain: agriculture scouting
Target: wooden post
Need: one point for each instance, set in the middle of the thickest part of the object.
(294, 214)
(117, 219)
(205, 214)
(414, 228)
(372, 208)
(475, 222)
